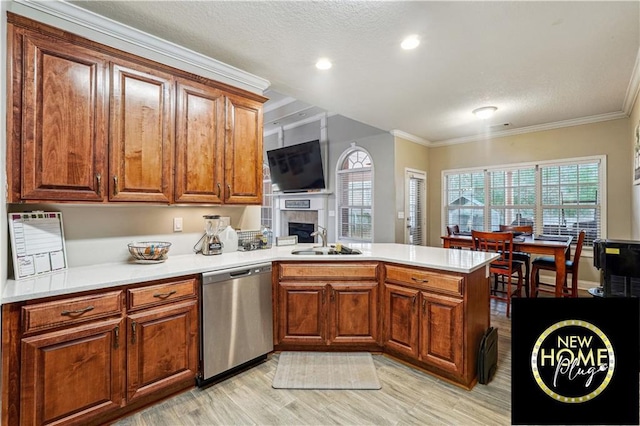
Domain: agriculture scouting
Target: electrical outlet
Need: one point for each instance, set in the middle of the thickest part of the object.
(177, 224)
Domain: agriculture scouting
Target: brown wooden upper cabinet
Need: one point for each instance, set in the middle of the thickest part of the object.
(199, 143)
(94, 124)
(243, 152)
(141, 129)
(60, 97)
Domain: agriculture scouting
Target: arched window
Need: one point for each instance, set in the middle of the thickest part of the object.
(354, 182)
(266, 212)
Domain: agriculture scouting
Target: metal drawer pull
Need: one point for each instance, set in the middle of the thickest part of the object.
(219, 190)
(117, 335)
(420, 280)
(76, 312)
(133, 332)
(99, 179)
(164, 295)
(115, 185)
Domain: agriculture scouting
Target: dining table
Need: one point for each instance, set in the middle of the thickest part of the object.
(555, 245)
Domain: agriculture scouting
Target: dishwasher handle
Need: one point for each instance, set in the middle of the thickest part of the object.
(239, 272)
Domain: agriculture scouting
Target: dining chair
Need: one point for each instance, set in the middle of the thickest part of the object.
(548, 263)
(505, 266)
(519, 255)
(453, 230)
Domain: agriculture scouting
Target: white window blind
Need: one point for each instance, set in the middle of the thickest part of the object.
(266, 211)
(416, 206)
(556, 197)
(354, 195)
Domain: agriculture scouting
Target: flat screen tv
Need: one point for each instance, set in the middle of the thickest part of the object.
(296, 168)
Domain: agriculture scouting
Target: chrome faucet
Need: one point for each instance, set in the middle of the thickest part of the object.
(322, 232)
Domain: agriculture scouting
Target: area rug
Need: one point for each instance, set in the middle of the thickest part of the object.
(326, 370)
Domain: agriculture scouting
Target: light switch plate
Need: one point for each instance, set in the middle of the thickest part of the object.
(177, 224)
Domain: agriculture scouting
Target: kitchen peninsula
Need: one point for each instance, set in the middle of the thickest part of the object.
(427, 306)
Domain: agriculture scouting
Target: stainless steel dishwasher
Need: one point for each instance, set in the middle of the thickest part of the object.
(236, 320)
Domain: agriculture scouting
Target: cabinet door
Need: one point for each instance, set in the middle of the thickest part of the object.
(162, 348)
(199, 143)
(441, 332)
(63, 122)
(243, 152)
(301, 313)
(353, 311)
(401, 319)
(73, 375)
(141, 152)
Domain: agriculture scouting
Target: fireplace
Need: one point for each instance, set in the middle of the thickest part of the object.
(308, 209)
(303, 231)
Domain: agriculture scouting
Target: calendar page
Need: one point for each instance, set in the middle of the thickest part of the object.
(37, 242)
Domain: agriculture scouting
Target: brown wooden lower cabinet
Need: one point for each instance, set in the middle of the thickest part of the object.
(343, 313)
(431, 319)
(155, 362)
(97, 357)
(72, 375)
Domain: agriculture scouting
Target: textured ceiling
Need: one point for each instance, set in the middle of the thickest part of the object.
(538, 62)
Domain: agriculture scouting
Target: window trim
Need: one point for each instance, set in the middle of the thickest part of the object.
(602, 159)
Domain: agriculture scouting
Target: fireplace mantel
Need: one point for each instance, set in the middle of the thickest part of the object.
(288, 204)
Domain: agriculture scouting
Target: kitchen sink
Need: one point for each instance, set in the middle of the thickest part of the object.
(325, 251)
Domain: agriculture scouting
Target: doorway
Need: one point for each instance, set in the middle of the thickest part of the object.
(415, 199)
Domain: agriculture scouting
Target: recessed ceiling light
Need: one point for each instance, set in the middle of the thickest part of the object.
(323, 64)
(484, 112)
(410, 42)
(302, 114)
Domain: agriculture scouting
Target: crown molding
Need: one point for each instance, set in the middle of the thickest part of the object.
(633, 89)
(532, 129)
(408, 136)
(95, 23)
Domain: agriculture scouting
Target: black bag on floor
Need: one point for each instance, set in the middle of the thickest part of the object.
(488, 356)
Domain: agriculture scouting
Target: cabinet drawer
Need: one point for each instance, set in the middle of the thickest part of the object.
(159, 294)
(48, 315)
(342, 271)
(424, 279)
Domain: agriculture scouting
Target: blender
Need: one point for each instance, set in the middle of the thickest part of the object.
(211, 243)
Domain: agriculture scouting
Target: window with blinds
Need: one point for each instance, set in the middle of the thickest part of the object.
(416, 205)
(266, 211)
(355, 196)
(556, 197)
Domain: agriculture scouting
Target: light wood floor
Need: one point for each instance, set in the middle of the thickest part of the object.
(408, 397)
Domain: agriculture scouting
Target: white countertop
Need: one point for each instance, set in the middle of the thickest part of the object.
(107, 275)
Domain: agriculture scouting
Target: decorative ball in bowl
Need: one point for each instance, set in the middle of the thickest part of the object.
(149, 251)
